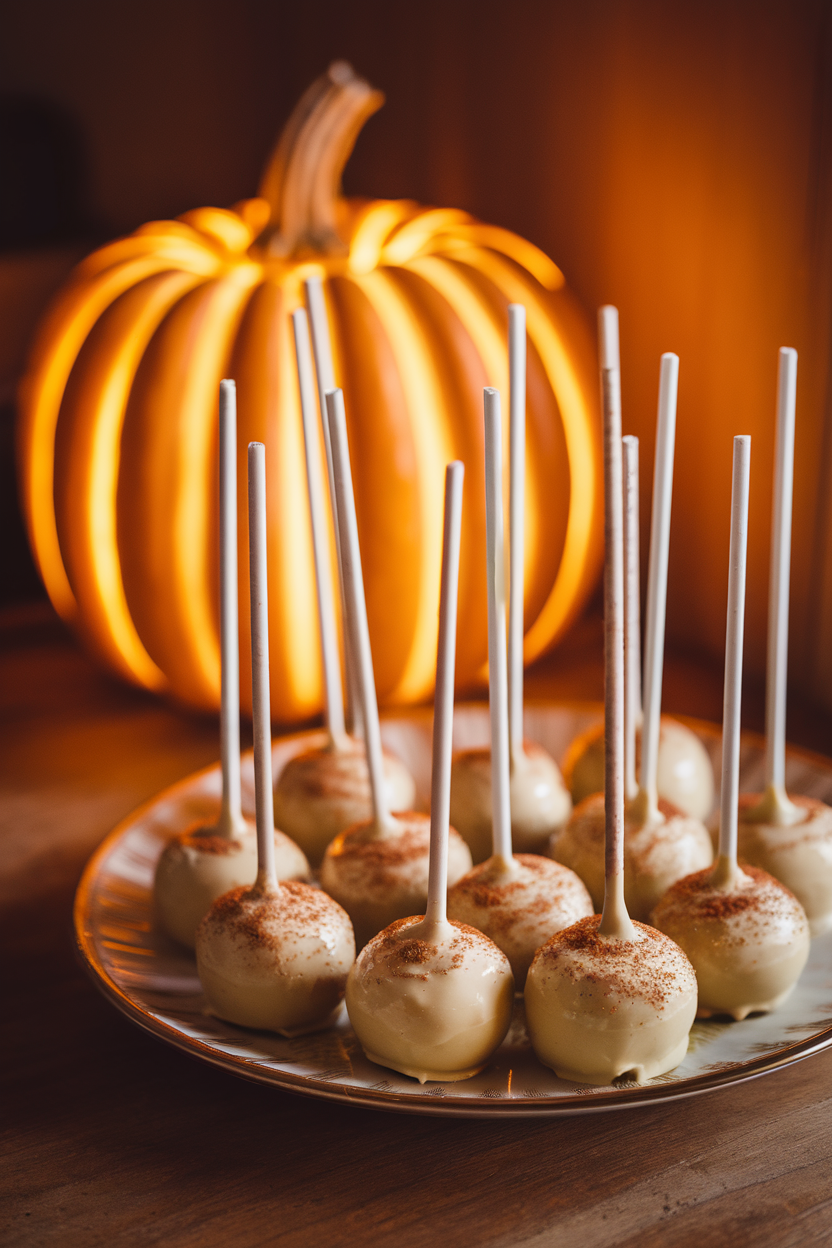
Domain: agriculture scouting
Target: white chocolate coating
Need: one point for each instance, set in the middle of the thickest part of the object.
(378, 880)
(322, 792)
(748, 944)
(685, 775)
(599, 1008)
(655, 855)
(519, 905)
(198, 866)
(540, 802)
(798, 855)
(275, 961)
(431, 1002)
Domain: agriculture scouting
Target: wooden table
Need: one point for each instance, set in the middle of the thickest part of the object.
(111, 1138)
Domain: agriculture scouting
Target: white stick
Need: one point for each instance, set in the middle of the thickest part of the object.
(260, 695)
(320, 335)
(614, 921)
(727, 862)
(632, 616)
(231, 822)
(359, 632)
(325, 377)
(657, 581)
(517, 494)
(497, 673)
(320, 544)
(778, 594)
(443, 700)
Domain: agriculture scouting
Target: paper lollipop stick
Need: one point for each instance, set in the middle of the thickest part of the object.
(495, 579)
(517, 492)
(320, 544)
(443, 700)
(231, 822)
(657, 583)
(726, 867)
(260, 695)
(325, 376)
(614, 920)
(632, 621)
(780, 809)
(356, 614)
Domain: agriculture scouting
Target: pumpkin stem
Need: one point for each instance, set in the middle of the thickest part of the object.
(302, 181)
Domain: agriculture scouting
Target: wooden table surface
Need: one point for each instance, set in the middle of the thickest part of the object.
(111, 1138)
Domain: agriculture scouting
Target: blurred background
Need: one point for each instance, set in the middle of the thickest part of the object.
(673, 159)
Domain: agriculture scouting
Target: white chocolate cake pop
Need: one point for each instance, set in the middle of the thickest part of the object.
(791, 837)
(607, 998)
(656, 853)
(207, 860)
(600, 1009)
(748, 942)
(428, 997)
(430, 1000)
(274, 955)
(322, 791)
(661, 844)
(378, 870)
(745, 933)
(539, 800)
(798, 854)
(198, 866)
(378, 880)
(518, 901)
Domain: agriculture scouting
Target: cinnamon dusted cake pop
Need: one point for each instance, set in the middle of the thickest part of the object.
(790, 837)
(539, 800)
(745, 933)
(608, 998)
(428, 997)
(661, 843)
(207, 860)
(378, 869)
(324, 790)
(519, 901)
(273, 955)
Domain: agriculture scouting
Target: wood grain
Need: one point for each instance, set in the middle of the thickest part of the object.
(111, 1138)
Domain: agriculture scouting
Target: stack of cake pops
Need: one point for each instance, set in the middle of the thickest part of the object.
(558, 903)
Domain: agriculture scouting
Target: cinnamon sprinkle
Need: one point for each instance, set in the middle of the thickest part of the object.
(652, 968)
(268, 921)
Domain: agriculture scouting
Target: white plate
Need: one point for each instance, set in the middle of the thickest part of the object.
(155, 984)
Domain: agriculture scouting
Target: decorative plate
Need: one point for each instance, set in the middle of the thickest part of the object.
(154, 982)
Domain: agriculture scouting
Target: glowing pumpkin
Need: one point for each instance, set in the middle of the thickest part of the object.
(118, 431)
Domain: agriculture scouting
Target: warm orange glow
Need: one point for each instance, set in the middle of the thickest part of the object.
(127, 367)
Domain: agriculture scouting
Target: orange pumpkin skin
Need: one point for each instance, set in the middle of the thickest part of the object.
(118, 441)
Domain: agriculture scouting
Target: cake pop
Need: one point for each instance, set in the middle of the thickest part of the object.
(745, 933)
(207, 860)
(538, 798)
(791, 837)
(273, 955)
(324, 790)
(430, 997)
(608, 998)
(519, 901)
(377, 869)
(684, 776)
(661, 843)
